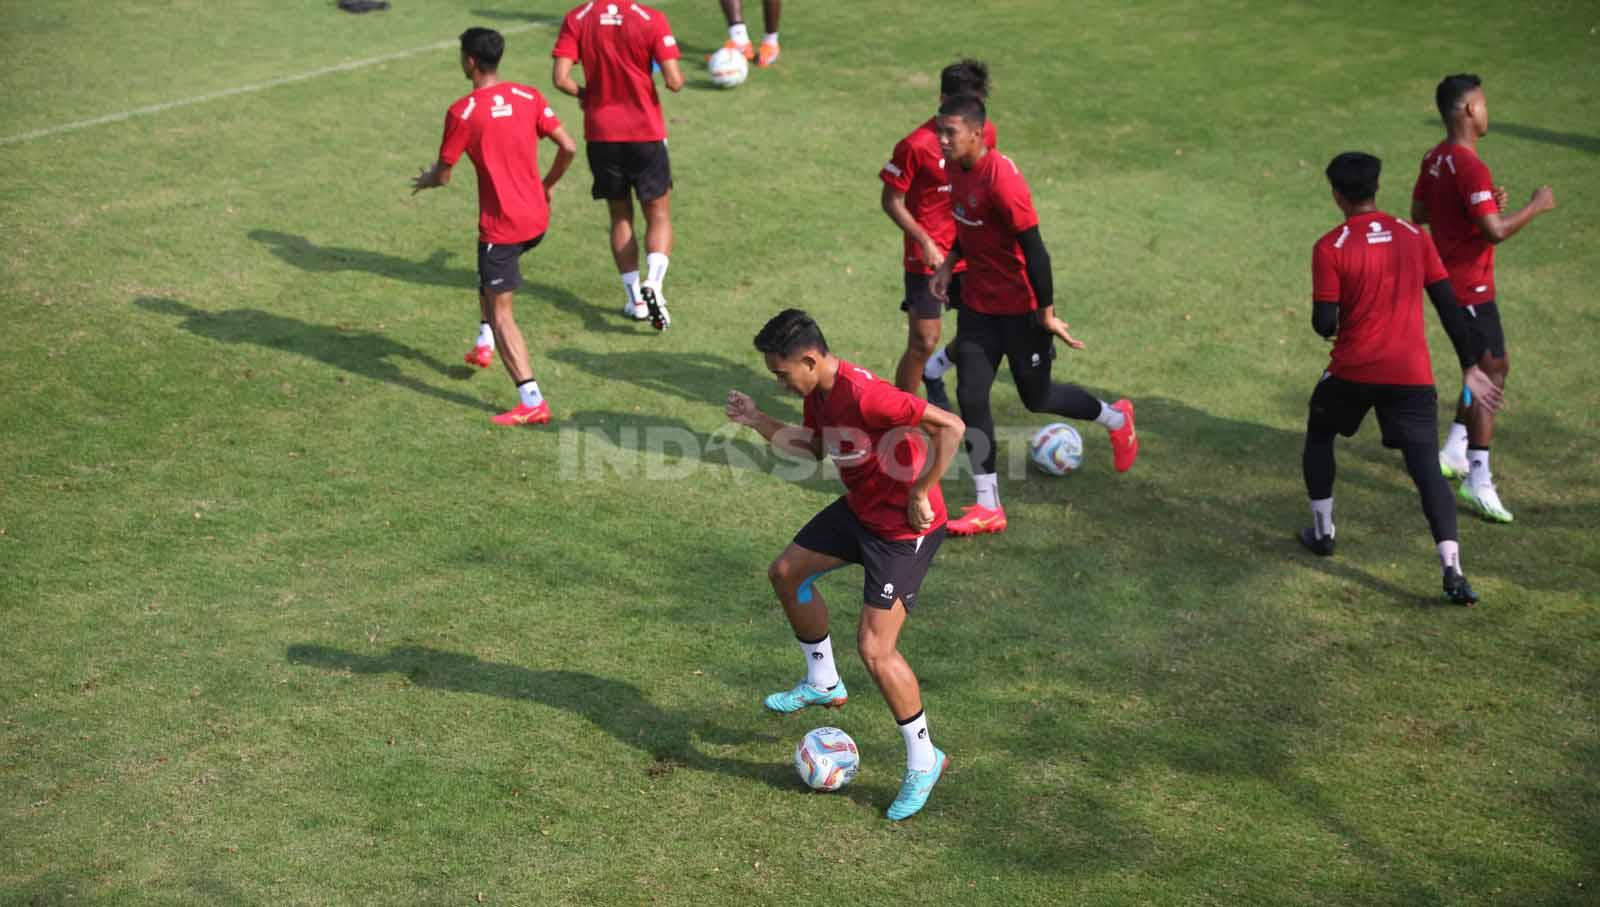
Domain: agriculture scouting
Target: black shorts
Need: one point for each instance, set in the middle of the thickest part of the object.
(895, 570)
(920, 301)
(618, 167)
(1408, 414)
(1026, 346)
(499, 266)
(1483, 320)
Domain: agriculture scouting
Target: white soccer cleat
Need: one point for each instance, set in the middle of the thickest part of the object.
(1485, 500)
(1452, 467)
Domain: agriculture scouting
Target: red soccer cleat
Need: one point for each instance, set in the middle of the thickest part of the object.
(524, 415)
(481, 356)
(977, 520)
(1124, 441)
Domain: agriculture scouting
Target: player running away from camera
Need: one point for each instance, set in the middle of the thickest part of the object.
(916, 196)
(1457, 197)
(499, 126)
(625, 134)
(891, 448)
(739, 36)
(1367, 279)
(1007, 308)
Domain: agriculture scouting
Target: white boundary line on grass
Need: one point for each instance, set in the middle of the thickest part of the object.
(244, 89)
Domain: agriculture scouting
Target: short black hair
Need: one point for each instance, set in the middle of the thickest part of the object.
(789, 333)
(967, 76)
(1451, 90)
(966, 106)
(1354, 175)
(484, 45)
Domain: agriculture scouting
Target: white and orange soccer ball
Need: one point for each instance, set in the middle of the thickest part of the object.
(728, 68)
(1056, 449)
(827, 759)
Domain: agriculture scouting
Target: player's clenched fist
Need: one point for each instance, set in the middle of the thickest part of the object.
(741, 409)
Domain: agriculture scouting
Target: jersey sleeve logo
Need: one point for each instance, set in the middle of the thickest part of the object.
(891, 168)
(1344, 234)
(466, 112)
(1479, 198)
(522, 94)
(669, 41)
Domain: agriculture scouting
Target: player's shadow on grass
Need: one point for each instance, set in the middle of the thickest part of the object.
(620, 709)
(630, 446)
(507, 15)
(696, 377)
(1576, 141)
(433, 271)
(359, 352)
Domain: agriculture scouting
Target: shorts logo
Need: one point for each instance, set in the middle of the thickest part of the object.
(888, 590)
(1377, 235)
(1034, 361)
(500, 108)
(496, 281)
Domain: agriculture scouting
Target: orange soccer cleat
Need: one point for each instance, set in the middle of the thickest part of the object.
(1124, 441)
(746, 48)
(977, 520)
(769, 54)
(481, 356)
(524, 415)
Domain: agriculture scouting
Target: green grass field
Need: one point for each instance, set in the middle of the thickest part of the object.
(283, 620)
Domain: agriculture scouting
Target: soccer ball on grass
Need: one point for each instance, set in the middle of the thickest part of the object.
(827, 759)
(728, 68)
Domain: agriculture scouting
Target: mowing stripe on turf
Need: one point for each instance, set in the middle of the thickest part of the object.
(243, 89)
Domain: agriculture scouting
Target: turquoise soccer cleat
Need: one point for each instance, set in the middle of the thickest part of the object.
(916, 788)
(805, 695)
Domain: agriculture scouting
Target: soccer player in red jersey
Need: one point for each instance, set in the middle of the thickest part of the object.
(1007, 307)
(916, 196)
(1457, 197)
(1367, 279)
(890, 520)
(625, 133)
(739, 36)
(499, 126)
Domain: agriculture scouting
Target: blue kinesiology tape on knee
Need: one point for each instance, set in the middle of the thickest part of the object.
(803, 594)
(1466, 396)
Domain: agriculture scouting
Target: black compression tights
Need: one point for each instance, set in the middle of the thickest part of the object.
(1422, 463)
(974, 380)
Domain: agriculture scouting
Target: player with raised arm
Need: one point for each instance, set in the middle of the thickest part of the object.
(1007, 308)
(499, 126)
(916, 196)
(739, 35)
(890, 520)
(625, 134)
(1458, 199)
(1368, 276)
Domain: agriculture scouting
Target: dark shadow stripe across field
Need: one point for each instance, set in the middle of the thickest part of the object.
(1577, 141)
(360, 352)
(615, 707)
(696, 377)
(434, 271)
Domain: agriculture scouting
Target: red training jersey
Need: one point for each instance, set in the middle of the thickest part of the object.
(1456, 186)
(499, 127)
(991, 204)
(916, 168)
(1375, 266)
(868, 427)
(616, 43)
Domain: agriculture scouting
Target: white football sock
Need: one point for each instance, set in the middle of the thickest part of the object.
(529, 390)
(1478, 463)
(630, 283)
(1322, 518)
(1112, 419)
(1455, 444)
(655, 265)
(820, 671)
(988, 490)
(919, 743)
(770, 38)
(1449, 555)
(739, 34)
(485, 335)
(938, 364)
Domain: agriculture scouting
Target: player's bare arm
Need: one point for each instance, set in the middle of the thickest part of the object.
(793, 439)
(566, 150)
(1049, 321)
(561, 77)
(945, 431)
(431, 177)
(1498, 228)
(672, 76)
(894, 205)
(939, 284)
